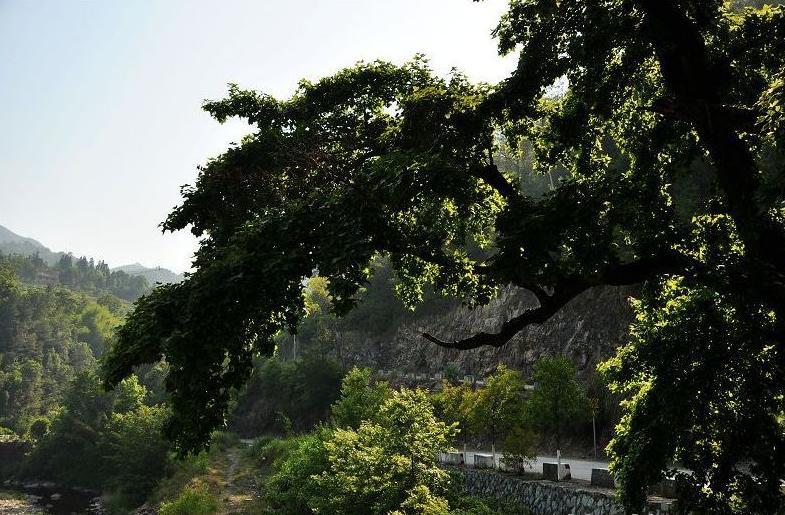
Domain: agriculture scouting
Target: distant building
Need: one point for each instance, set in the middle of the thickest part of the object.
(47, 277)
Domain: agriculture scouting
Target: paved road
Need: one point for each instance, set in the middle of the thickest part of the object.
(580, 469)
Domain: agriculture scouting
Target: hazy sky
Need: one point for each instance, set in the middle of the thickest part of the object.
(101, 120)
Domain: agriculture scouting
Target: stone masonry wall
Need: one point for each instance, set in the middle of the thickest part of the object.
(547, 497)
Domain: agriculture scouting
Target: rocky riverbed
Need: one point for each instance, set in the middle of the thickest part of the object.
(14, 503)
(45, 498)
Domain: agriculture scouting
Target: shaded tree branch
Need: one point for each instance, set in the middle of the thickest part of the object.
(494, 178)
(567, 289)
(694, 111)
(510, 328)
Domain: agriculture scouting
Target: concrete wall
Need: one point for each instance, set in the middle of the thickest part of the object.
(547, 497)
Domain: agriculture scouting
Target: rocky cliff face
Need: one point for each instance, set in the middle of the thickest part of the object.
(587, 330)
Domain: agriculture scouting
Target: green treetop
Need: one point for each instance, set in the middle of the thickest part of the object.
(498, 407)
(558, 399)
(361, 398)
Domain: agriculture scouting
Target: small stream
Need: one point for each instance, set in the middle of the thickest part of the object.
(38, 498)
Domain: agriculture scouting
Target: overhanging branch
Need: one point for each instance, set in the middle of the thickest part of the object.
(695, 111)
(511, 327)
(494, 178)
(567, 289)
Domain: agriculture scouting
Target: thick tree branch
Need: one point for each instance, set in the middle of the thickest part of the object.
(567, 289)
(692, 79)
(494, 178)
(513, 326)
(743, 118)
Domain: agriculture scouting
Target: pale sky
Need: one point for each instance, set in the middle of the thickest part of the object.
(101, 120)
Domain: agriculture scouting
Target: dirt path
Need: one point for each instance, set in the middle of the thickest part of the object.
(240, 492)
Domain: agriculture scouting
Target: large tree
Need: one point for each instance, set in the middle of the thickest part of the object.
(668, 137)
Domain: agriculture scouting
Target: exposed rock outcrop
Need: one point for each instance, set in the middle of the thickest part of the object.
(587, 330)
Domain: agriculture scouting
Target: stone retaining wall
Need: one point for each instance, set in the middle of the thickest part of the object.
(548, 497)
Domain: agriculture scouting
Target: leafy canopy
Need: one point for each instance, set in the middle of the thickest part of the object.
(668, 139)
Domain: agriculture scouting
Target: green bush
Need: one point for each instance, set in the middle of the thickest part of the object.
(291, 489)
(519, 449)
(180, 475)
(361, 398)
(39, 427)
(255, 449)
(221, 440)
(270, 450)
(134, 452)
(192, 501)
(388, 463)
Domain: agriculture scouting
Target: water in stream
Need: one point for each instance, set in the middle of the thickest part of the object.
(44, 501)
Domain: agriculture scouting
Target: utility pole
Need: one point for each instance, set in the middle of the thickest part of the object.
(594, 406)
(294, 347)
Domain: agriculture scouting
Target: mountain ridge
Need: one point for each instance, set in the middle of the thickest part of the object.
(13, 243)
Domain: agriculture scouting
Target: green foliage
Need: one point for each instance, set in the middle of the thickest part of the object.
(302, 390)
(291, 488)
(221, 441)
(135, 455)
(225, 278)
(420, 500)
(361, 398)
(379, 311)
(129, 394)
(47, 337)
(75, 435)
(498, 407)
(388, 461)
(39, 427)
(706, 431)
(661, 122)
(520, 449)
(454, 404)
(461, 504)
(385, 464)
(451, 371)
(558, 399)
(80, 274)
(115, 438)
(192, 501)
(181, 474)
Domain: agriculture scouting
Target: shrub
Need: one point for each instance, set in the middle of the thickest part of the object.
(291, 488)
(388, 462)
(39, 427)
(221, 440)
(192, 501)
(519, 449)
(182, 472)
(360, 399)
(135, 454)
(271, 450)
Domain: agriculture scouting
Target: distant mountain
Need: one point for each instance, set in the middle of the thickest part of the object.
(12, 243)
(153, 275)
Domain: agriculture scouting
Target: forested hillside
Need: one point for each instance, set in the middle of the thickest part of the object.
(48, 335)
(52, 334)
